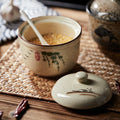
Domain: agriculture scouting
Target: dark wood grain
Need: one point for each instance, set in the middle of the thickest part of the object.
(48, 110)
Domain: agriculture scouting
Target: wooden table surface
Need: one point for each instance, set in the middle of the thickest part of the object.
(49, 110)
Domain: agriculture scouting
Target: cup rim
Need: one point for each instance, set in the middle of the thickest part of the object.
(35, 19)
(90, 12)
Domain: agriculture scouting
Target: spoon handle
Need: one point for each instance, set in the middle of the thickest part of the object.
(42, 40)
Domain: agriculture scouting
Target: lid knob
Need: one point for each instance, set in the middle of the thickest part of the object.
(81, 77)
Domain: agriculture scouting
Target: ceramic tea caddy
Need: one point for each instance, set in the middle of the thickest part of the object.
(104, 22)
(81, 90)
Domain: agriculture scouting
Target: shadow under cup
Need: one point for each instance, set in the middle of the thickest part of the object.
(50, 60)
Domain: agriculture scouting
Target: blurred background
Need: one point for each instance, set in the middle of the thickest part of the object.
(72, 4)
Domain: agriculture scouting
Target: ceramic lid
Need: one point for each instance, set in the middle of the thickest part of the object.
(81, 90)
(106, 9)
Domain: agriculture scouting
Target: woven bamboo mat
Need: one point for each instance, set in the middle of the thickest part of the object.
(16, 79)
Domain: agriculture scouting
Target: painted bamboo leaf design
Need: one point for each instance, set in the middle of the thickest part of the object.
(45, 57)
(54, 57)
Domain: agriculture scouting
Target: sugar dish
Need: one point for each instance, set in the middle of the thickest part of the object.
(50, 60)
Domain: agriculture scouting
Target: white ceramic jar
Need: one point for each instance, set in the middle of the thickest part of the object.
(51, 60)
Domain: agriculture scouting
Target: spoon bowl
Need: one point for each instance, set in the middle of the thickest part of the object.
(42, 40)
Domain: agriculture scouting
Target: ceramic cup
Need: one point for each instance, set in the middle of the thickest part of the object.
(50, 60)
(104, 27)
